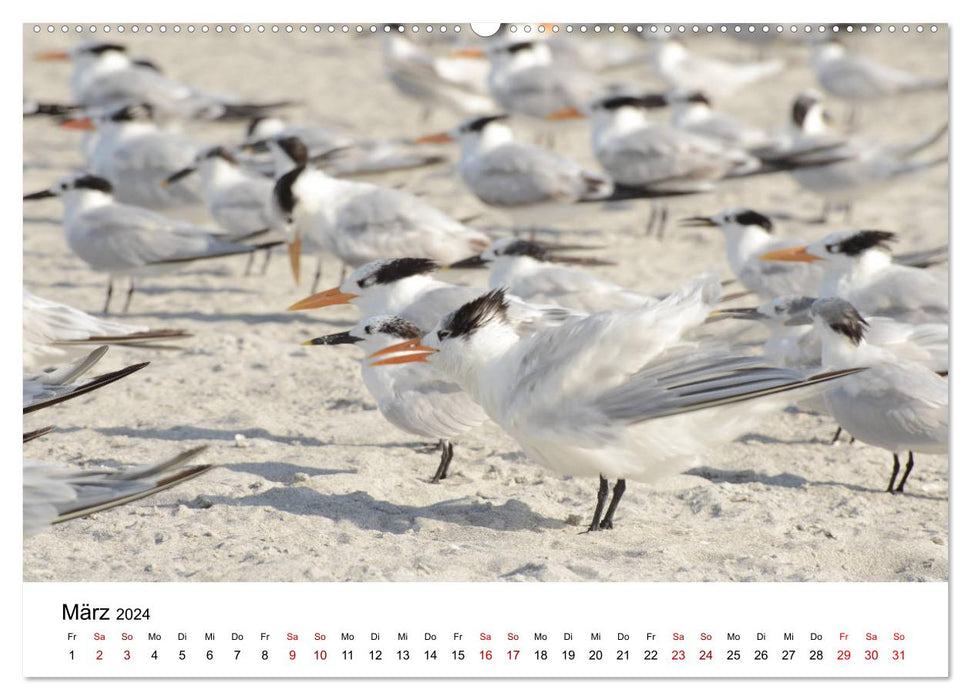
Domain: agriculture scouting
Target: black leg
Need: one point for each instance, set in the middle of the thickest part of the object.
(651, 219)
(131, 290)
(108, 295)
(664, 221)
(608, 522)
(249, 264)
(896, 469)
(910, 466)
(447, 451)
(601, 499)
(266, 261)
(836, 437)
(313, 287)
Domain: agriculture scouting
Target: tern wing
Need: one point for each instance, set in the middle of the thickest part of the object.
(54, 494)
(516, 174)
(40, 394)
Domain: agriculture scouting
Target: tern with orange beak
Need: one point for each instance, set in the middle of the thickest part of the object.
(359, 222)
(414, 397)
(128, 241)
(858, 267)
(617, 395)
(136, 156)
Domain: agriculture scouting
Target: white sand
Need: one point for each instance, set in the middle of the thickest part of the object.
(323, 489)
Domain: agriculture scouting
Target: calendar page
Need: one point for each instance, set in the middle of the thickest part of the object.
(519, 350)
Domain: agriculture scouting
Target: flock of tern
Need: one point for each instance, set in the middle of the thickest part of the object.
(590, 378)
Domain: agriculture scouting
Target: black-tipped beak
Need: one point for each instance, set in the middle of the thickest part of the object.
(747, 314)
(698, 222)
(473, 262)
(43, 194)
(260, 146)
(344, 338)
(175, 177)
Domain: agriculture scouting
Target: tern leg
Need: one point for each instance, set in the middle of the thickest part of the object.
(447, 451)
(651, 219)
(131, 290)
(910, 466)
(836, 437)
(313, 289)
(108, 295)
(663, 222)
(249, 264)
(601, 498)
(608, 522)
(266, 261)
(896, 470)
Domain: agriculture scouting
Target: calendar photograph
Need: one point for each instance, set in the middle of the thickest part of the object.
(553, 303)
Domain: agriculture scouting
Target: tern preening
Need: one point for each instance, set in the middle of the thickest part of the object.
(50, 328)
(858, 267)
(55, 493)
(128, 241)
(415, 398)
(617, 395)
(896, 404)
(43, 389)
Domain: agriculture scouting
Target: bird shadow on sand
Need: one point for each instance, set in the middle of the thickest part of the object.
(283, 472)
(769, 440)
(189, 432)
(787, 480)
(369, 513)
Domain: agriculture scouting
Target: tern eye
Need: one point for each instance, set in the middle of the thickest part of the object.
(367, 329)
(832, 248)
(442, 335)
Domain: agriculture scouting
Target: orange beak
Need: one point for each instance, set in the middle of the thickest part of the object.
(440, 137)
(564, 114)
(53, 56)
(293, 250)
(468, 53)
(416, 353)
(329, 297)
(84, 124)
(790, 255)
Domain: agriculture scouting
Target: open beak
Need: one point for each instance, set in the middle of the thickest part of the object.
(440, 137)
(175, 177)
(790, 255)
(53, 56)
(698, 222)
(43, 194)
(468, 53)
(344, 338)
(330, 297)
(564, 114)
(82, 124)
(293, 251)
(475, 261)
(415, 352)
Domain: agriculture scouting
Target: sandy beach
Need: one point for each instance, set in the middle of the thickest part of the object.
(314, 485)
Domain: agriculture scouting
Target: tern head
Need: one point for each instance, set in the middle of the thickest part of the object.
(521, 54)
(135, 113)
(373, 334)
(74, 185)
(838, 316)
(261, 128)
(681, 96)
(809, 114)
(462, 340)
(625, 109)
(733, 220)
(841, 249)
(85, 52)
(291, 147)
(383, 283)
(492, 128)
